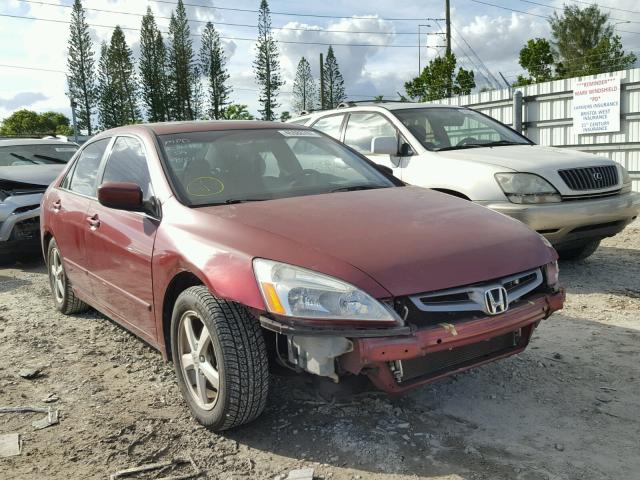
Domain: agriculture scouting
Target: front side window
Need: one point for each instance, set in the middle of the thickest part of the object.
(128, 163)
(36, 154)
(363, 128)
(264, 164)
(84, 175)
(330, 125)
(440, 128)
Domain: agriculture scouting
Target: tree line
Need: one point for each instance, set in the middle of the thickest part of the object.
(171, 81)
(582, 43)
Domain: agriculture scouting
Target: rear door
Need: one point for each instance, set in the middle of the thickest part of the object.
(120, 243)
(69, 206)
(362, 128)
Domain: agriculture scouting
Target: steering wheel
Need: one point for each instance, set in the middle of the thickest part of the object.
(205, 187)
(467, 141)
(300, 181)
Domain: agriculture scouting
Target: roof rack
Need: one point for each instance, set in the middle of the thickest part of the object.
(354, 103)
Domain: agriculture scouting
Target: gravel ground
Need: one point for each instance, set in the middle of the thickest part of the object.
(567, 408)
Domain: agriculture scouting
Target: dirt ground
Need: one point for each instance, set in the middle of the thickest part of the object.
(567, 408)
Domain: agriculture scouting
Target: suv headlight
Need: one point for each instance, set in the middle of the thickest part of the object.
(297, 292)
(625, 179)
(527, 188)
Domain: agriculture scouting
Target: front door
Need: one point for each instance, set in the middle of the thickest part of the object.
(362, 128)
(69, 207)
(120, 244)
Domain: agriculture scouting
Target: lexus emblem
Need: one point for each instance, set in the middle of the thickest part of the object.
(597, 176)
(496, 300)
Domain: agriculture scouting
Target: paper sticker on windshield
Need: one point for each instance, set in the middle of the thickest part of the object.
(299, 133)
(66, 149)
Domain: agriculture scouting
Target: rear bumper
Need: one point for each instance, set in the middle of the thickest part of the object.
(375, 356)
(575, 220)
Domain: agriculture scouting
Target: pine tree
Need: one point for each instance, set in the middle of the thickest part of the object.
(153, 78)
(197, 95)
(304, 87)
(107, 105)
(181, 66)
(118, 85)
(213, 66)
(267, 65)
(333, 82)
(81, 67)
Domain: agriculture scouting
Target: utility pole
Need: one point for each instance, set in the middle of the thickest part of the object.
(321, 83)
(448, 23)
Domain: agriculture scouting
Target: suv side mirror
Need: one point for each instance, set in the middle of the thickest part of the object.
(384, 145)
(121, 196)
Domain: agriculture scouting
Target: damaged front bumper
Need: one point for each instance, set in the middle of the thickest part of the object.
(19, 221)
(403, 358)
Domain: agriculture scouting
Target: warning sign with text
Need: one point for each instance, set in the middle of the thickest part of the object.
(596, 106)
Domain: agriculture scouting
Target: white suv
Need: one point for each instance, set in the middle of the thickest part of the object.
(572, 198)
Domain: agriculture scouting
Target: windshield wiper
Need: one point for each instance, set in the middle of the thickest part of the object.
(353, 188)
(497, 143)
(51, 159)
(20, 157)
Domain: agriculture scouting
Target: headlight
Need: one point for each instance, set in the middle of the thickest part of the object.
(297, 292)
(527, 188)
(625, 178)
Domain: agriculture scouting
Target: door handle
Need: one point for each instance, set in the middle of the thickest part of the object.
(57, 205)
(94, 222)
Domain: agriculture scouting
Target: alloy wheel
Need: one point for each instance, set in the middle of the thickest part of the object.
(198, 360)
(56, 275)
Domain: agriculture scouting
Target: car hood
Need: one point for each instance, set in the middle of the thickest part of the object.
(528, 158)
(41, 175)
(406, 239)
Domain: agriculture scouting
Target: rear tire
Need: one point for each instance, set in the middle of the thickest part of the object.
(220, 358)
(579, 253)
(66, 301)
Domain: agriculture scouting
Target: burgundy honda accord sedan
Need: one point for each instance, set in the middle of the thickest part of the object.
(232, 245)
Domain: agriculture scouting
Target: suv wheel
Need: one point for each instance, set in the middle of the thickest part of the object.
(580, 252)
(220, 358)
(66, 301)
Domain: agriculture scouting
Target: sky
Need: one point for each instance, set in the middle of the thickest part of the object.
(388, 28)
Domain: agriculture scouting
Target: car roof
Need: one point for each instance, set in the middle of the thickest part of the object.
(385, 105)
(33, 141)
(168, 128)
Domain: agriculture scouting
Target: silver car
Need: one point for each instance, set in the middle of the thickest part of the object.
(27, 167)
(572, 198)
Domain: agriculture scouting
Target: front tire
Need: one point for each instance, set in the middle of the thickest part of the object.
(220, 358)
(581, 252)
(66, 301)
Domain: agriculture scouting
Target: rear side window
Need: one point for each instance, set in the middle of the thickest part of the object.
(330, 125)
(362, 128)
(128, 163)
(83, 178)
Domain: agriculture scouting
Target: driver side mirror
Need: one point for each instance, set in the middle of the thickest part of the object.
(121, 196)
(384, 145)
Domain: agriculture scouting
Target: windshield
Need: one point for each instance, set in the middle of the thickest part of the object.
(38, 154)
(453, 129)
(229, 166)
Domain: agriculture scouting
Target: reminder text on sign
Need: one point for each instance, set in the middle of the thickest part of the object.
(596, 106)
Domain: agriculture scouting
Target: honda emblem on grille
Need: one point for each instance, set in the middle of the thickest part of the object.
(496, 300)
(597, 176)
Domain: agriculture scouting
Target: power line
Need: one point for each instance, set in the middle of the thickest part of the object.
(242, 39)
(292, 14)
(493, 78)
(316, 30)
(607, 7)
(533, 14)
(561, 9)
